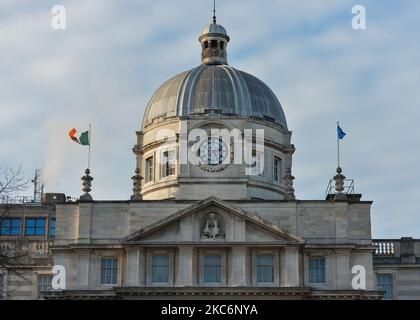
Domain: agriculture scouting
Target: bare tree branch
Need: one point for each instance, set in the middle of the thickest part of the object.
(12, 181)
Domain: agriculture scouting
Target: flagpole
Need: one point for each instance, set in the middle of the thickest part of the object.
(338, 147)
(90, 140)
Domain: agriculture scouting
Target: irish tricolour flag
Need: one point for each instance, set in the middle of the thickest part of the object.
(82, 139)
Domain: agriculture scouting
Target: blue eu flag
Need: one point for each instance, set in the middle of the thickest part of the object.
(341, 134)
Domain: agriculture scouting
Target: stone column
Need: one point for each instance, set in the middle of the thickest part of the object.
(289, 267)
(237, 276)
(185, 270)
(83, 271)
(142, 267)
(132, 267)
(343, 280)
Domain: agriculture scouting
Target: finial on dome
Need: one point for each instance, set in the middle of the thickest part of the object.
(214, 11)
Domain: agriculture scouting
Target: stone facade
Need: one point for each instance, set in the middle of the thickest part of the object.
(31, 271)
(291, 231)
(399, 262)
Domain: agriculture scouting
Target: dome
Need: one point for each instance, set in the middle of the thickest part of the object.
(214, 89)
(214, 28)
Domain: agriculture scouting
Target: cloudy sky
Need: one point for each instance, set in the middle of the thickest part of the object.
(114, 54)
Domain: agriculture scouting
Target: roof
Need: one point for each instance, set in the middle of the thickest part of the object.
(217, 89)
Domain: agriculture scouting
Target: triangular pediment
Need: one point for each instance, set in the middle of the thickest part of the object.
(240, 225)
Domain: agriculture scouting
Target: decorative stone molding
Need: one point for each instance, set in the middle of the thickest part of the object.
(87, 186)
(212, 227)
(288, 185)
(137, 178)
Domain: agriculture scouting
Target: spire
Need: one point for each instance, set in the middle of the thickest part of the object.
(214, 11)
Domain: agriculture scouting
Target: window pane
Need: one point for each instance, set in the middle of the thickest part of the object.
(160, 268)
(44, 283)
(109, 271)
(277, 174)
(35, 226)
(385, 283)
(30, 222)
(212, 269)
(317, 270)
(265, 268)
(149, 169)
(10, 227)
(40, 222)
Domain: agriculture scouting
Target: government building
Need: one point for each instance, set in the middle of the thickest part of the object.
(217, 228)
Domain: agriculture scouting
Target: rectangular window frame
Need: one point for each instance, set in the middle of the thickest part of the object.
(168, 163)
(149, 169)
(44, 285)
(11, 226)
(223, 270)
(159, 251)
(166, 266)
(258, 158)
(104, 267)
(277, 169)
(320, 277)
(260, 266)
(379, 286)
(36, 228)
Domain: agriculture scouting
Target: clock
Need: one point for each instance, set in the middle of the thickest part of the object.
(213, 153)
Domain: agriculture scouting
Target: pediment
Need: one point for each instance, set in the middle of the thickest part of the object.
(212, 221)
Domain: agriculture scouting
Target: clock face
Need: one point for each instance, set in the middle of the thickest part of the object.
(213, 152)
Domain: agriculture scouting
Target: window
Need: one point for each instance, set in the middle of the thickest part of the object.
(1, 286)
(214, 44)
(35, 227)
(206, 45)
(167, 163)
(149, 169)
(257, 166)
(109, 270)
(222, 45)
(265, 268)
(277, 174)
(44, 284)
(160, 268)
(212, 269)
(317, 270)
(10, 227)
(384, 282)
(52, 228)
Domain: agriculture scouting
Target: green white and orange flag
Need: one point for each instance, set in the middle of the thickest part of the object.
(82, 139)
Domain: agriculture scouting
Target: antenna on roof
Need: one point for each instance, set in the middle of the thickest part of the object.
(214, 11)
